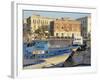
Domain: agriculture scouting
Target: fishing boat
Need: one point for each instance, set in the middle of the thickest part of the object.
(39, 55)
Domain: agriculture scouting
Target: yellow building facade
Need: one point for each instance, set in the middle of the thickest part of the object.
(36, 21)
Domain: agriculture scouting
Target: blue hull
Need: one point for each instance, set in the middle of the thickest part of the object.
(43, 45)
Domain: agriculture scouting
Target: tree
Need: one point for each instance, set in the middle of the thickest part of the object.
(42, 31)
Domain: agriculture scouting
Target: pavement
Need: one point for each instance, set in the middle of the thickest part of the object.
(49, 62)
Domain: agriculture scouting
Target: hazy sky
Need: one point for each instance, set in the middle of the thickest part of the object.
(73, 15)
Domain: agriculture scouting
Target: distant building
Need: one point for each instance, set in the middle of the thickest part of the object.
(25, 26)
(26, 31)
(37, 21)
(65, 28)
(85, 26)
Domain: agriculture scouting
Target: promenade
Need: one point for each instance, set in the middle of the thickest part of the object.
(48, 62)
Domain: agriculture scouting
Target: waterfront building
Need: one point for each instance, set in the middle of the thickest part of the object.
(25, 30)
(39, 26)
(36, 21)
(85, 26)
(65, 28)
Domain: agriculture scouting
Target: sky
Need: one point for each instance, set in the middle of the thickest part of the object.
(72, 15)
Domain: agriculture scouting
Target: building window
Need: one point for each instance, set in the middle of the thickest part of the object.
(57, 27)
(39, 21)
(38, 26)
(45, 21)
(34, 27)
(62, 27)
(57, 34)
(33, 21)
(62, 34)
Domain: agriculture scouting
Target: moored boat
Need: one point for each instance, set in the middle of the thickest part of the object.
(40, 51)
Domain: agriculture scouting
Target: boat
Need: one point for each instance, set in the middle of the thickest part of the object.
(75, 47)
(39, 55)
